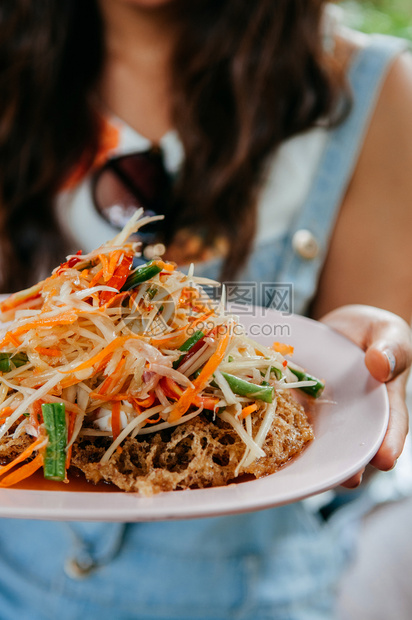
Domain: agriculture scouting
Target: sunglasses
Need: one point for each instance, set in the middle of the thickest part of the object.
(131, 182)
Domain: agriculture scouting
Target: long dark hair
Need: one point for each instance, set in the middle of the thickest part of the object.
(247, 75)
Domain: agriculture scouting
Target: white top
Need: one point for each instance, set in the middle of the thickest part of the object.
(287, 183)
(288, 179)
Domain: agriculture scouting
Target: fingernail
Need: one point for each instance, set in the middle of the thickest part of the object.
(391, 361)
(394, 465)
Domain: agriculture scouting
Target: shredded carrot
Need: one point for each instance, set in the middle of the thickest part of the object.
(212, 364)
(49, 352)
(207, 402)
(190, 298)
(114, 378)
(119, 396)
(14, 341)
(116, 419)
(4, 413)
(165, 266)
(65, 318)
(23, 472)
(105, 264)
(248, 410)
(96, 278)
(49, 292)
(178, 337)
(145, 403)
(170, 388)
(103, 363)
(282, 348)
(36, 415)
(65, 383)
(115, 344)
(118, 277)
(155, 421)
(201, 319)
(116, 299)
(201, 381)
(21, 297)
(109, 382)
(174, 340)
(113, 260)
(23, 456)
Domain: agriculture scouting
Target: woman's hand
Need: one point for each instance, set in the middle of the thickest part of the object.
(387, 342)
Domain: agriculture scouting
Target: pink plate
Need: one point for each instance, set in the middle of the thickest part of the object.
(348, 433)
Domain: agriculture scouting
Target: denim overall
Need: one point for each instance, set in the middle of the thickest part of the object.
(278, 564)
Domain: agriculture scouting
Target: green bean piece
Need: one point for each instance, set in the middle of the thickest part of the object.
(277, 372)
(7, 359)
(251, 390)
(54, 416)
(187, 345)
(313, 390)
(141, 274)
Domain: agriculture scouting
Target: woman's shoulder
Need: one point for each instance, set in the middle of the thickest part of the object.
(390, 125)
(394, 100)
(375, 218)
(390, 128)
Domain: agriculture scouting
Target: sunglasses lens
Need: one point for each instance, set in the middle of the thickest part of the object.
(132, 182)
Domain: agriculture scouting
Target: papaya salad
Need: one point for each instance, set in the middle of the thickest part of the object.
(132, 375)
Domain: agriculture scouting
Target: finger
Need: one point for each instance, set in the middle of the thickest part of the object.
(398, 426)
(354, 481)
(384, 336)
(383, 362)
(387, 357)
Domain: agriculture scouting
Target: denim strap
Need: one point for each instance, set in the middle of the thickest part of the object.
(318, 215)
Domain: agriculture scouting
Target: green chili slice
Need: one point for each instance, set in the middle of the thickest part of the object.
(54, 416)
(7, 359)
(187, 345)
(141, 274)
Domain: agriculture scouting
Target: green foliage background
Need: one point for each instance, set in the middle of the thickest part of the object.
(385, 16)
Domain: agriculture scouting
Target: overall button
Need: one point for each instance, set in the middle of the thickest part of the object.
(305, 244)
(76, 569)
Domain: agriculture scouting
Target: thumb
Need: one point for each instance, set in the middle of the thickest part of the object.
(385, 337)
(389, 352)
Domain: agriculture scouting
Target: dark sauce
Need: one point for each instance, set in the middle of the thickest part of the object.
(77, 483)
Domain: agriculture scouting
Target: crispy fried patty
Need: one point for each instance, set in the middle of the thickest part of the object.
(199, 453)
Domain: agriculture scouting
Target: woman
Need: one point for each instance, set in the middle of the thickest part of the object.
(296, 137)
